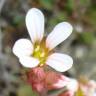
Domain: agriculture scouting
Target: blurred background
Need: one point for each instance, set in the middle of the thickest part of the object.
(81, 45)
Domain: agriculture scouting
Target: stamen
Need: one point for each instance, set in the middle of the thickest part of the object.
(42, 54)
(41, 64)
(37, 48)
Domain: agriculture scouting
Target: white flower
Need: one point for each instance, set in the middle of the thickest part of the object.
(38, 51)
(72, 85)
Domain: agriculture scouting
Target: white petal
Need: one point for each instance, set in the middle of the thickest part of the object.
(61, 82)
(29, 62)
(58, 35)
(22, 47)
(72, 85)
(59, 62)
(35, 24)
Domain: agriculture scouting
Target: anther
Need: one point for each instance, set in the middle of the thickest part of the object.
(42, 54)
(37, 48)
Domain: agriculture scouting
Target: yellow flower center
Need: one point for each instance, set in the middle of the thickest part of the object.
(40, 52)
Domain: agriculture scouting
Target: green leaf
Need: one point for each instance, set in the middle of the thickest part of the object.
(26, 90)
(84, 2)
(71, 4)
(17, 20)
(87, 37)
(48, 4)
(58, 91)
